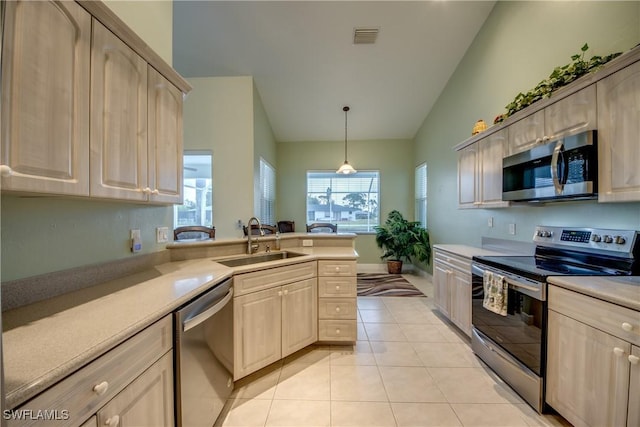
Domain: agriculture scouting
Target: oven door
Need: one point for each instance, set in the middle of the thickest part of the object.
(521, 333)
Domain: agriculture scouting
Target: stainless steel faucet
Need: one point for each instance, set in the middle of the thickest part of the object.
(252, 248)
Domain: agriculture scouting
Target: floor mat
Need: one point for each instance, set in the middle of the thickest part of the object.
(385, 285)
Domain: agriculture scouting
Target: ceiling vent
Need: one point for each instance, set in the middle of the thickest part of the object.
(365, 35)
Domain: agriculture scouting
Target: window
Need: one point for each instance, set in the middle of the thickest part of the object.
(421, 194)
(266, 194)
(198, 191)
(351, 201)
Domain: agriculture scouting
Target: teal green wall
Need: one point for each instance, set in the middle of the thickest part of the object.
(45, 234)
(393, 158)
(518, 46)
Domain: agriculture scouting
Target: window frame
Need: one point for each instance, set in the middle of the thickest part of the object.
(343, 225)
(421, 197)
(210, 185)
(265, 207)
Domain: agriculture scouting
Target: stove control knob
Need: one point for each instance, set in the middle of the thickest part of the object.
(544, 233)
(620, 240)
(607, 239)
(596, 238)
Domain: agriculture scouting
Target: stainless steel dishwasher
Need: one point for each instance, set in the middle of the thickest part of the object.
(204, 356)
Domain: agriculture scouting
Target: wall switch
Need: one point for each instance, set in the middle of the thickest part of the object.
(490, 222)
(307, 243)
(136, 241)
(162, 234)
(512, 229)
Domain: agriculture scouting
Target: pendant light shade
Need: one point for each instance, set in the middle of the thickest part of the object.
(346, 168)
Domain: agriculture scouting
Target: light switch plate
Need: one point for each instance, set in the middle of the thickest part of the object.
(512, 228)
(162, 234)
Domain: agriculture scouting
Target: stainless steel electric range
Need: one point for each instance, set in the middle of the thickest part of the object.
(509, 297)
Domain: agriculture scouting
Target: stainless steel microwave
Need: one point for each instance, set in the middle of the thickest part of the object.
(561, 169)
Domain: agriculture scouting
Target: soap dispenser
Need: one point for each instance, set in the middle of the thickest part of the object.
(277, 240)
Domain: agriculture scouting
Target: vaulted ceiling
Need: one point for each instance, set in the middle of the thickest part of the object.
(306, 67)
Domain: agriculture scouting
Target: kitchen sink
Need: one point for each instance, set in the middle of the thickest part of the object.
(256, 259)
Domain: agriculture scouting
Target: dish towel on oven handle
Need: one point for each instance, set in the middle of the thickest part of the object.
(495, 293)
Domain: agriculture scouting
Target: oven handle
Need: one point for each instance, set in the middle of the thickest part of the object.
(538, 293)
(207, 313)
(520, 285)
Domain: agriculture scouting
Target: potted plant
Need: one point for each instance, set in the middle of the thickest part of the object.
(402, 240)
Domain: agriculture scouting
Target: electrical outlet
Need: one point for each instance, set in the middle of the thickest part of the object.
(307, 243)
(512, 229)
(162, 234)
(136, 241)
(490, 222)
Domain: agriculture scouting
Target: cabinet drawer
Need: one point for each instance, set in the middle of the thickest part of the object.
(619, 321)
(454, 261)
(336, 268)
(337, 330)
(337, 308)
(337, 287)
(108, 375)
(263, 279)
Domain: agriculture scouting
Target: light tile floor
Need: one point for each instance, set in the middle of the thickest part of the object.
(409, 367)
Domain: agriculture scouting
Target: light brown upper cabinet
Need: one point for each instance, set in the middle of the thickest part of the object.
(45, 98)
(480, 172)
(118, 119)
(568, 116)
(619, 136)
(87, 108)
(164, 136)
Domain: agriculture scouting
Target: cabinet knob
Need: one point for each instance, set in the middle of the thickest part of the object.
(337, 287)
(337, 269)
(627, 327)
(155, 192)
(546, 138)
(337, 331)
(5, 171)
(538, 140)
(279, 293)
(146, 190)
(337, 309)
(634, 359)
(618, 351)
(286, 292)
(112, 421)
(101, 388)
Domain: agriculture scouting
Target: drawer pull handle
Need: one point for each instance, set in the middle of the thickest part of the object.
(627, 327)
(618, 351)
(634, 359)
(337, 309)
(101, 388)
(112, 421)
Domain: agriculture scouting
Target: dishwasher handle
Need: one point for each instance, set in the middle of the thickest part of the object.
(207, 312)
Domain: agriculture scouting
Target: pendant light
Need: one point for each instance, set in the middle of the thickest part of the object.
(346, 168)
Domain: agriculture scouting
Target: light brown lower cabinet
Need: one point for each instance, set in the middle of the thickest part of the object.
(452, 288)
(593, 354)
(337, 306)
(273, 323)
(130, 385)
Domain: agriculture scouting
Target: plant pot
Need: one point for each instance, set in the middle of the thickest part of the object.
(394, 266)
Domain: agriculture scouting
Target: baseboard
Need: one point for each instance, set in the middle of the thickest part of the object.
(382, 268)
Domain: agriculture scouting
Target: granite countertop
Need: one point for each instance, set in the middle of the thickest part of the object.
(49, 340)
(620, 290)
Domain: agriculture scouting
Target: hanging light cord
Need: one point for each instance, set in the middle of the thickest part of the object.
(345, 109)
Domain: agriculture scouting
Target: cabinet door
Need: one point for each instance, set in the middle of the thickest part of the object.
(165, 139)
(257, 331)
(118, 118)
(299, 315)
(619, 136)
(492, 150)
(147, 401)
(45, 97)
(587, 373)
(633, 418)
(573, 114)
(526, 133)
(467, 174)
(440, 287)
(461, 301)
